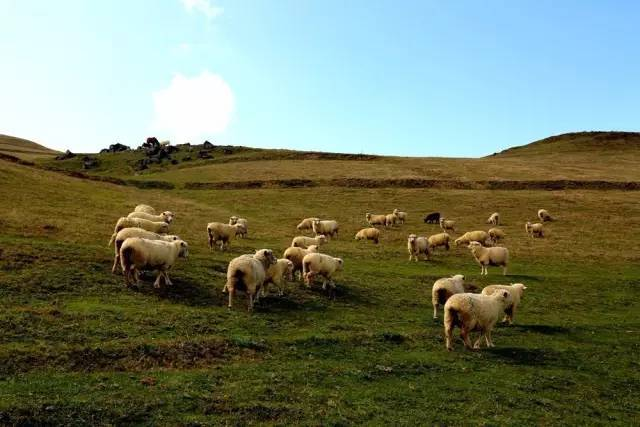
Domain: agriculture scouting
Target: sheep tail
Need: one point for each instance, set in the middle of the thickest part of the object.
(113, 237)
(441, 296)
(126, 262)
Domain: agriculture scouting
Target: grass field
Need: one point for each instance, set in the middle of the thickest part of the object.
(79, 348)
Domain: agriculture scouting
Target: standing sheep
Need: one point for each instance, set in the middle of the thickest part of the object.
(496, 256)
(296, 255)
(416, 246)
(376, 219)
(145, 208)
(432, 218)
(328, 228)
(124, 222)
(443, 289)
(447, 224)
(496, 235)
(474, 312)
(247, 273)
(244, 225)
(306, 224)
(223, 233)
(138, 254)
(278, 274)
(126, 233)
(516, 290)
(305, 242)
(479, 236)
(391, 220)
(440, 239)
(544, 215)
(317, 264)
(534, 230)
(166, 216)
(494, 219)
(370, 233)
(402, 216)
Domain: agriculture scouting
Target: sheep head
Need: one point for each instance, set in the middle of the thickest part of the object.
(184, 249)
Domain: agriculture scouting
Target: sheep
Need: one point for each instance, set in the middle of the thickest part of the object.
(223, 233)
(145, 208)
(278, 274)
(244, 225)
(305, 242)
(143, 254)
(443, 289)
(416, 246)
(402, 216)
(432, 218)
(376, 219)
(370, 233)
(306, 224)
(474, 312)
(494, 219)
(391, 220)
(321, 264)
(496, 256)
(440, 239)
(534, 230)
(328, 228)
(124, 222)
(516, 290)
(296, 254)
(479, 236)
(545, 216)
(447, 224)
(496, 234)
(248, 273)
(166, 216)
(126, 233)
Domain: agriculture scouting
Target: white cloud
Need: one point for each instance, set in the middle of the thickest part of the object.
(204, 6)
(190, 109)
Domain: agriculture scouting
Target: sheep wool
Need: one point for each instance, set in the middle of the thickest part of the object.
(417, 246)
(138, 254)
(443, 289)
(496, 256)
(517, 292)
(370, 233)
(126, 233)
(247, 273)
(124, 222)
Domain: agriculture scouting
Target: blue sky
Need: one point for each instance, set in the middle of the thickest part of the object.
(425, 78)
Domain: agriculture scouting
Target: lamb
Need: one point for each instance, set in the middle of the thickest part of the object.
(479, 236)
(370, 233)
(306, 224)
(244, 225)
(376, 219)
(145, 208)
(474, 312)
(440, 239)
(166, 216)
(278, 274)
(223, 233)
(432, 218)
(248, 273)
(124, 222)
(496, 234)
(496, 256)
(305, 242)
(126, 233)
(402, 216)
(516, 290)
(545, 216)
(391, 220)
(143, 254)
(447, 224)
(494, 219)
(534, 230)
(443, 289)
(327, 228)
(416, 246)
(321, 264)
(296, 255)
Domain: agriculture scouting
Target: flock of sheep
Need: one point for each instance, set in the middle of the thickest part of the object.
(142, 243)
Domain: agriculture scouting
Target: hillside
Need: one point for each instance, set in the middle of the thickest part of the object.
(580, 142)
(24, 149)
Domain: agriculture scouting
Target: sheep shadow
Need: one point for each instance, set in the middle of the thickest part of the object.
(523, 356)
(183, 291)
(542, 329)
(286, 303)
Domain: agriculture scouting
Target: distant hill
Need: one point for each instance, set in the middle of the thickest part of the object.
(23, 148)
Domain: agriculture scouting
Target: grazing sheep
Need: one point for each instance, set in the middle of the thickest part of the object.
(416, 246)
(479, 236)
(223, 233)
(145, 208)
(370, 233)
(278, 274)
(443, 289)
(440, 239)
(124, 222)
(306, 224)
(296, 255)
(474, 312)
(327, 228)
(494, 219)
(432, 218)
(496, 256)
(247, 273)
(545, 216)
(516, 290)
(244, 225)
(321, 264)
(376, 219)
(126, 233)
(166, 216)
(534, 230)
(402, 216)
(305, 242)
(496, 234)
(447, 224)
(138, 254)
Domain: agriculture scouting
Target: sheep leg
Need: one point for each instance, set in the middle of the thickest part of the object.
(504, 270)
(250, 305)
(464, 333)
(115, 262)
(232, 291)
(489, 339)
(435, 311)
(476, 345)
(167, 281)
(156, 284)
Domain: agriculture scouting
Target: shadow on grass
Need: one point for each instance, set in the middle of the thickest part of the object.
(524, 356)
(542, 329)
(184, 291)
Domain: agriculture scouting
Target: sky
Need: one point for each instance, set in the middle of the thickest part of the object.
(460, 78)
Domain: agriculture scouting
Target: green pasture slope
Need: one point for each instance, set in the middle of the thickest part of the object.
(78, 348)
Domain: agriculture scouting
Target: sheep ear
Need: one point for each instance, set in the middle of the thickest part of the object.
(505, 294)
(183, 244)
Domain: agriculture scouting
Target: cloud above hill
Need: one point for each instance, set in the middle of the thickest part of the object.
(203, 6)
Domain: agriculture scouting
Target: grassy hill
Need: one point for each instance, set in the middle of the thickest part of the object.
(23, 148)
(79, 348)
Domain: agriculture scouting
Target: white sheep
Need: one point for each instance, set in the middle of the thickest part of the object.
(370, 233)
(296, 255)
(278, 274)
(496, 234)
(376, 219)
(545, 216)
(138, 254)
(223, 233)
(248, 273)
(440, 239)
(305, 242)
(124, 222)
(391, 220)
(306, 224)
(496, 256)
(126, 233)
(494, 219)
(443, 289)
(328, 228)
(447, 224)
(402, 216)
(474, 312)
(145, 208)
(416, 246)
(166, 216)
(317, 264)
(479, 236)
(244, 229)
(534, 230)
(517, 291)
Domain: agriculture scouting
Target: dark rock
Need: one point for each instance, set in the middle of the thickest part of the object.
(171, 149)
(227, 150)
(204, 154)
(117, 147)
(174, 161)
(186, 158)
(66, 155)
(208, 146)
(89, 162)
